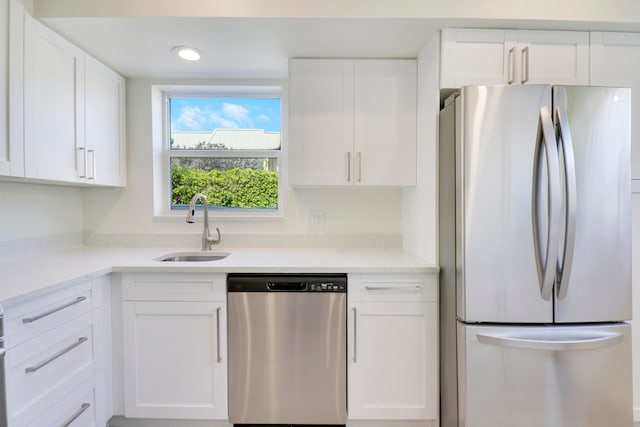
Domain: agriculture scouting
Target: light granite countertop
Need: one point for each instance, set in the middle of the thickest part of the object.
(27, 277)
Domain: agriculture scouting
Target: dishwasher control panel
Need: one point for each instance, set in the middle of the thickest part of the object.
(327, 286)
(287, 283)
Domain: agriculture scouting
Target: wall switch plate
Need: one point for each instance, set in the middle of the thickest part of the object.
(316, 219)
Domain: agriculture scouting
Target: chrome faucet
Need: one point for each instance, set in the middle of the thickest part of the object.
(207, 240)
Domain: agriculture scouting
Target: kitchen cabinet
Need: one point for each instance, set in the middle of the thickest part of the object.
(57, 344)
(11, 87)
(5, 160)
(353, 122)
(53, 104)
(486, 57)
(73, 112)
(614, 62)
(393, 348)
(103, 155)
(174, 339)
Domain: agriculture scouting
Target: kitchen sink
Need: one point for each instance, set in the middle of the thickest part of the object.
(192, 256)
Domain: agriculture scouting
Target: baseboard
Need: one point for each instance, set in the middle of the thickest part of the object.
(119, 421)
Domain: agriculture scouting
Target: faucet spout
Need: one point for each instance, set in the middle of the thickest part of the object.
(207, 240)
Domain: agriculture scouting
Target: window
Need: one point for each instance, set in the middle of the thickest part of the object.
(226, 147)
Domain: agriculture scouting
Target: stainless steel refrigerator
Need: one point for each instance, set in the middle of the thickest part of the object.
(535, 251)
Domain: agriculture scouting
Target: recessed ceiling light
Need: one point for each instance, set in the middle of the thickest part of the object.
(186, 53)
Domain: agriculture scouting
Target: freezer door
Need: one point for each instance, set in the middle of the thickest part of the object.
(550, 376)
(496, 271)
(595, 268)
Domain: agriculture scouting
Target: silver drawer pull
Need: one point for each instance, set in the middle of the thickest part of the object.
(50, 359)
(218, 356)
(416, 288)
(73, 417)
(53, 310)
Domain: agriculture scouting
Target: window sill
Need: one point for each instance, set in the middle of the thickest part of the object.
(215, 214)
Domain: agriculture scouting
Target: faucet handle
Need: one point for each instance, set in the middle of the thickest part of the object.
(214, 241)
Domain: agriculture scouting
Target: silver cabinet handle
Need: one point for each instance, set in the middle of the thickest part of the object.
(525, 65)
(73, 417)
(93, 164)
(554, 342)
(359, 162)
(355, 324)
(84, 154)
(219, 357)
(50, 359)
(564, 137)
(512, 66)
(348, 166)
(415, 288)
(546, 267)
(53, 310)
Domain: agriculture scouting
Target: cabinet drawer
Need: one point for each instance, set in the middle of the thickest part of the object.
(30, 319)
(173, 287)
(48, 366)
(77, 409)
(393, 287)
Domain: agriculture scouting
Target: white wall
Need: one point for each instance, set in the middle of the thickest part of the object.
(355, 212)
(419, 217)
(31, 211)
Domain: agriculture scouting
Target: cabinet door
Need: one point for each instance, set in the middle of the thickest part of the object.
(476, 57)
(488, 57)
(553, 57)
(104, 163)
(321, 128)
(385, 122)
(393, 361)
(175, 360)
(5, 160)
(615, 62)
(11, 88)
(53, 109)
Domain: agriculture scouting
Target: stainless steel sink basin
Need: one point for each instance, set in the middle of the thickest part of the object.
(192, 256)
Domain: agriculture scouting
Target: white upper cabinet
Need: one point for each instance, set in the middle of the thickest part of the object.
(321, 127)
(104, 151)
(385, 122)
(474, 57)
(353, 122)
(53, 105)
(73, 112)
(5, 161)
(615, 61)
(11, 68)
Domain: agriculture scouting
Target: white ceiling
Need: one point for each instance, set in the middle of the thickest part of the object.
(237, 47)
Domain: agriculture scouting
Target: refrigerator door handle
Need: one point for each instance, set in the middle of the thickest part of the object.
(564, 138)
(554, 341)
(547, 266)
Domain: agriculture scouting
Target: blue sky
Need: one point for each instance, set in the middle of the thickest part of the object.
(207, 114)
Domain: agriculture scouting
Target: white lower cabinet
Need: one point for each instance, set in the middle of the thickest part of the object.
(174, 338)
(55, 344)
(393, 348)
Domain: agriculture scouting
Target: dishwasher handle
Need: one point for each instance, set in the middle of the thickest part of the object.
(287, 286)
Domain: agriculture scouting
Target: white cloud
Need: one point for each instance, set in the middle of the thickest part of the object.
(236, 112)
(263, 118)
(221, 122)
(191, 118)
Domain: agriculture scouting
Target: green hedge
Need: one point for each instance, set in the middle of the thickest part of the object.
(242, 188)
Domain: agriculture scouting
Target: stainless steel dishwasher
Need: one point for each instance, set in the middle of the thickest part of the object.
(287, 349)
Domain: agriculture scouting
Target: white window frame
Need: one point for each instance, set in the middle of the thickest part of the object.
(162, 155)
